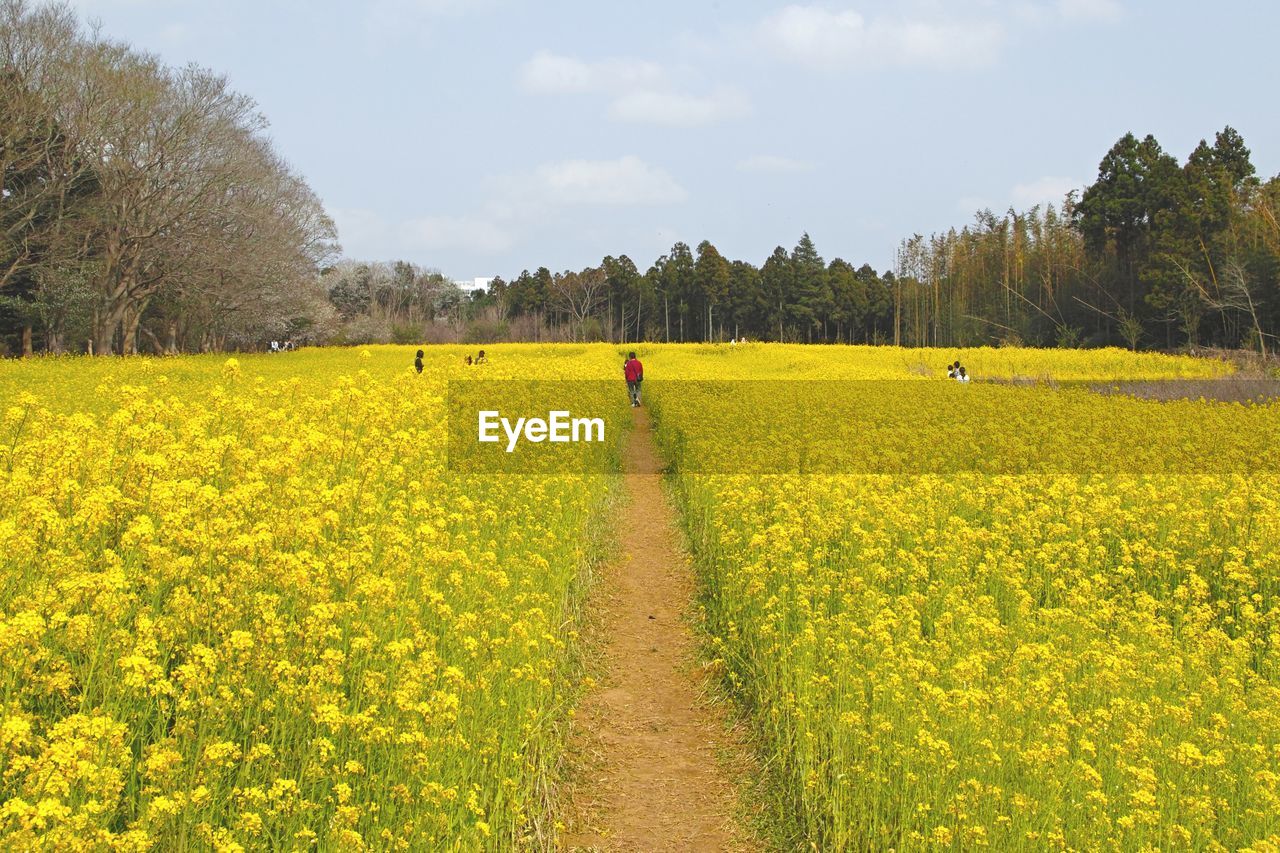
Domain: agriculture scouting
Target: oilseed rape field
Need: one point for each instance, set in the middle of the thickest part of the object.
(251, 603)
(1045, 644)
(244, 603)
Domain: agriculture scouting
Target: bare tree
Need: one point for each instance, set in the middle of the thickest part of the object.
(1237, 292)
(140, 194)
(580, 295)
(43, 180)
(251, 263)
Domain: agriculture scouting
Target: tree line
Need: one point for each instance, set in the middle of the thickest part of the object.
(1152, 254)
(142, 206)
(693, 295)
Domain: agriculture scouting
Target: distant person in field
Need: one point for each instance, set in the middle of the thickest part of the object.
(481, 359)
(469, 360)
(633, 370)
(962, 374)
(953, 370)
(417, 361)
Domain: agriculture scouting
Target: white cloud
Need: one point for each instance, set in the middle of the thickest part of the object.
(1057, 12)
(642, 91)
(86, 7)
(823, 38)
(1090, 10)
(175, 33)
(621, 182)
(1050, 189)
(516, 206)
(466, 233)
(428, 8)
(768, 163)
(362, 232)
(107, 10)
(548, 73)
(367, 234)
(679, 110)
(972, 204)
(1046, 190)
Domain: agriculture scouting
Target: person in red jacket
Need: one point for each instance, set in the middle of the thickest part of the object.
(634, 371)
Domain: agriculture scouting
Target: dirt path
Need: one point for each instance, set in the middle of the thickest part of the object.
(655, 759)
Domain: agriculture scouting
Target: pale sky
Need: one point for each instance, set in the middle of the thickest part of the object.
(482, 137)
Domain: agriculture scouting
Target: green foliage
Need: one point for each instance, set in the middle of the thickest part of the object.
(1130, 328)
(486, 332)
(1069, 337)
(405, 333)
(1139, 258)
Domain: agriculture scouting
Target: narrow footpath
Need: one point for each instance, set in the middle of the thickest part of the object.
(655, 760)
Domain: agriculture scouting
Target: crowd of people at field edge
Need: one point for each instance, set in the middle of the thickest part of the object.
(283, 346)
(632, 369)
(480, 358)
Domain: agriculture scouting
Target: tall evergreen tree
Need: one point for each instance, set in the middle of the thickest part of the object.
(712, 273)
(777, 283)
(1117, 213)
(810, 298)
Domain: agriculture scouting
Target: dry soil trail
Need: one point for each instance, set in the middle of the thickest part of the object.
(656, 761)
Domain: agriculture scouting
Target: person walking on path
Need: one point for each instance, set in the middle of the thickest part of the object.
(633, 370)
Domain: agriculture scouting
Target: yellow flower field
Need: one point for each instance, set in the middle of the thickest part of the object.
(755, 360)
(244, 603)
(990, 649)
(248, 603)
